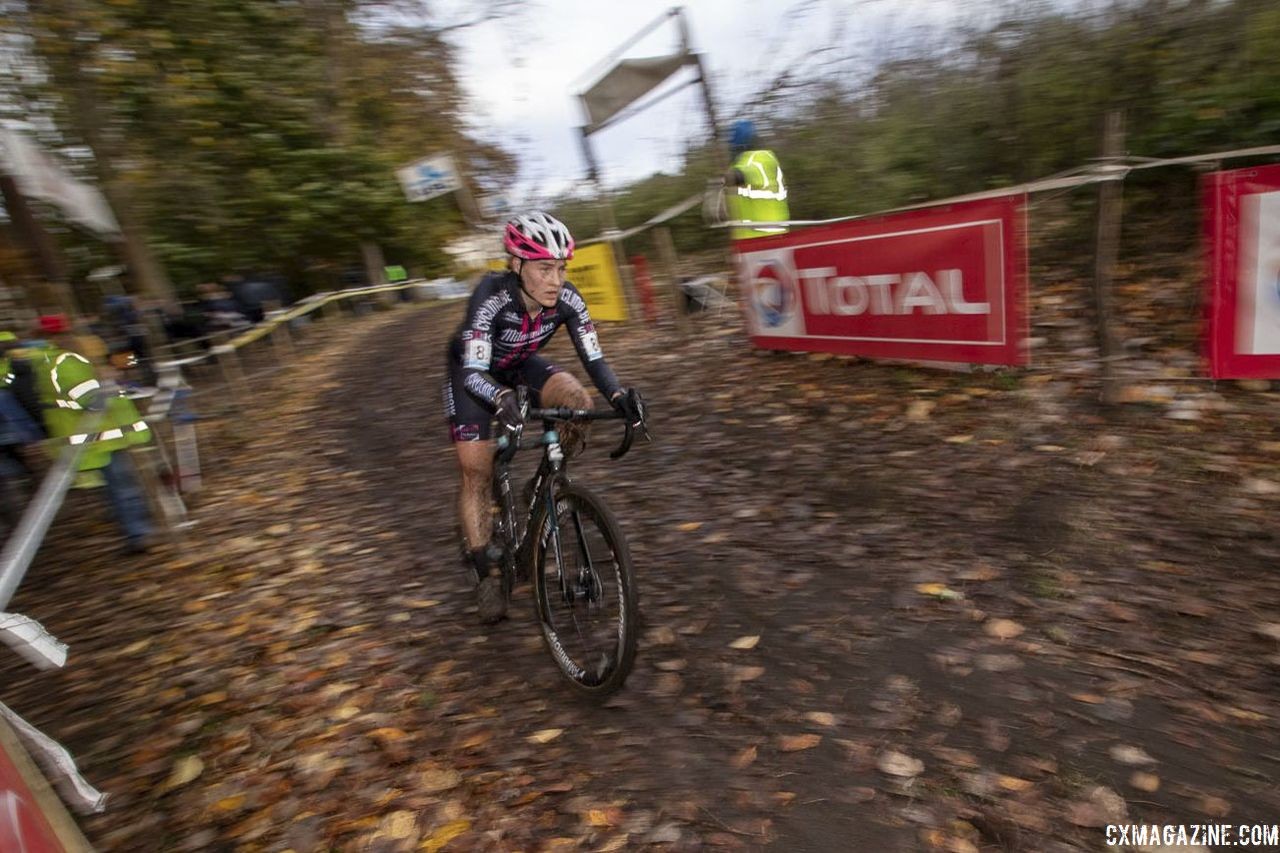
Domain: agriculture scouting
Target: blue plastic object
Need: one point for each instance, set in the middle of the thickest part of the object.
(743, 135)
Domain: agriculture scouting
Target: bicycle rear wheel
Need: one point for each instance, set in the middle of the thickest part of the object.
(585, 592)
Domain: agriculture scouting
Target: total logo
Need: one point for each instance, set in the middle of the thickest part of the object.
(775, 296)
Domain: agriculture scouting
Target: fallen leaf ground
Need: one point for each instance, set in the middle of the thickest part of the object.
(885, 608)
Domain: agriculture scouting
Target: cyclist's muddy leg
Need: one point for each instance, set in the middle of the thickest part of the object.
(564, 390)
(475, 463)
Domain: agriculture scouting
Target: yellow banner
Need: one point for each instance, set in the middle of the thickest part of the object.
(593, 272)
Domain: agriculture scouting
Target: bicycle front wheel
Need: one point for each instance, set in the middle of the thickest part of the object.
(585, 593)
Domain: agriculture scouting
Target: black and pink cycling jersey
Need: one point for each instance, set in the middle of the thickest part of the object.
(498, 341)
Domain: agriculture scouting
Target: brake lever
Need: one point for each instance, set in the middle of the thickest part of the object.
(644, 422)
(628, 435)
(509, 444)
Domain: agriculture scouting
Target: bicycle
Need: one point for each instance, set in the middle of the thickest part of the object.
(571, 547)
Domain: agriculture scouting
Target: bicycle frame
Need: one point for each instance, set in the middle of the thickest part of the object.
(543, 527)
(550, 470)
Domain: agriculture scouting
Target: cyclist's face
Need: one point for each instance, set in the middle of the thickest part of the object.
(543, 280)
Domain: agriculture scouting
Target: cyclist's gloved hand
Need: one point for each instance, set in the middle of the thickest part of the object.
(508, 411)
(630, 404)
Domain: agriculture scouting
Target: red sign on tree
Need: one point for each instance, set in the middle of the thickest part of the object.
(1242, 229)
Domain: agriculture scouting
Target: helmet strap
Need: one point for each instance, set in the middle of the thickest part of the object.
(519, 271)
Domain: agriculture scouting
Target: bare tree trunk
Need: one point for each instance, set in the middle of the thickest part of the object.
(325, 15)
(133, 248)
(36, 240)
(146, 271)
(375, 266)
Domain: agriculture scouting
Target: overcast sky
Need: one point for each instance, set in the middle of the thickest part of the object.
(524, 72)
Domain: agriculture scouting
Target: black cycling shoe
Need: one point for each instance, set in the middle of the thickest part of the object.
(481, 560)
(491, 602)
(491, 599)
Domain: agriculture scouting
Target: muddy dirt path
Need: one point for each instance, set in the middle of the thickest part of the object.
(987, 618)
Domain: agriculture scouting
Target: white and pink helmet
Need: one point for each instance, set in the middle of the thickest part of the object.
(538, 236)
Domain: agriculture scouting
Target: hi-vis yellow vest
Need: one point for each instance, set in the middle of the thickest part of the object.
(762, 199)
(66, 381)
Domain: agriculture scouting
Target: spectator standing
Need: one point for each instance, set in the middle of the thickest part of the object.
(71, 395)
(219, 309)
(128, 344)
(756, 191)
(17, 427)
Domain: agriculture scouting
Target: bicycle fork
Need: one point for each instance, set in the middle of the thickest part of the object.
(588, 578)
(587, 584)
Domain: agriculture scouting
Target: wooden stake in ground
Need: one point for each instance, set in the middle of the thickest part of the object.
(1109, 215)
(667, 252)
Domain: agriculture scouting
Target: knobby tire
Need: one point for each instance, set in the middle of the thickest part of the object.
(605, 669)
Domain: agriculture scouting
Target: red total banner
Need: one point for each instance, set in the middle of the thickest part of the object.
(946, 283)
(1242, 229)
(23, 825)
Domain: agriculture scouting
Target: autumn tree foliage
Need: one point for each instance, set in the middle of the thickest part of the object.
(251, 135)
